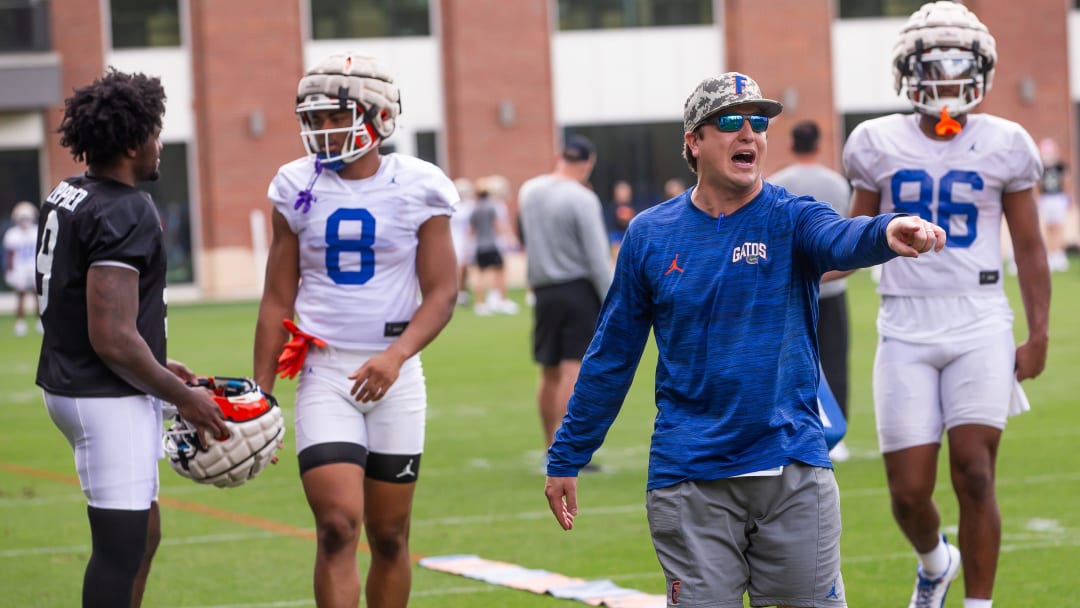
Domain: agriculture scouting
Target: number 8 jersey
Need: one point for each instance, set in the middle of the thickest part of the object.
(957, 184)
(358, 240)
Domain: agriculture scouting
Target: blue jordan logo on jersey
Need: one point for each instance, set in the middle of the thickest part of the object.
(832, 594)
(753, 253)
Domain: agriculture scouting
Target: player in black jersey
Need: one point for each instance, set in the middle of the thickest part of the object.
(101, 284)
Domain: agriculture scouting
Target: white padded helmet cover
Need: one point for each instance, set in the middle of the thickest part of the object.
(943, 24)
(360, 78)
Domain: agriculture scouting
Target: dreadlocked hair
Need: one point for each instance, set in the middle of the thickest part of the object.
(116, 113)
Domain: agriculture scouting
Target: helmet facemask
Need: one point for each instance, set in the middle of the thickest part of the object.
(356, 132)
(944, 59)
(356, 86)
(952, 79)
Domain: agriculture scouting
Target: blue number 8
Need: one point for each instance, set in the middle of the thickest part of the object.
(946, 207)
(363, 245)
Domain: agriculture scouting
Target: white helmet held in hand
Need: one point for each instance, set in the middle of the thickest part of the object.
(256, 430)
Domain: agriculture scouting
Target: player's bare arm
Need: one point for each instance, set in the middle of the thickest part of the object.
(182, 371)
(112, 306)
(1021, 213)
(436, 269)
(278, 298)
(561, 493)
(865, 202)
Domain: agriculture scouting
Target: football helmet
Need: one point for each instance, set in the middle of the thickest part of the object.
(944, 59)
(256, 430)
(349, 82)
(24, 213)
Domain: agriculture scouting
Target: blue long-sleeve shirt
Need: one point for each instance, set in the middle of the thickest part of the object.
(733, 305)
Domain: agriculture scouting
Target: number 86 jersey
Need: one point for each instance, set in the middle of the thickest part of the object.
(957, 184)
(358, 241)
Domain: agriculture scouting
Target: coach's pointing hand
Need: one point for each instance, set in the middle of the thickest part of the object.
(909, 236)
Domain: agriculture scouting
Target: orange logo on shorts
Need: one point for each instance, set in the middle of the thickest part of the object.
(675, 586)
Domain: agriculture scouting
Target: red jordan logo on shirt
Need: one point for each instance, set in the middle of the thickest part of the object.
(674, 265)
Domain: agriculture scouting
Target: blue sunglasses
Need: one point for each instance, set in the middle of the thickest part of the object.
(731, 123)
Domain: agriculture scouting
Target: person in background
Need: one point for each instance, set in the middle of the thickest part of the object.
(946, 361)
(741, 494)
(1054, 203)
(673, 187)
(569, 270)
(362, 256)
(808, 177)
(20, 255)
(101, 289)
(623, 211)
(464, 247)
(489, 228)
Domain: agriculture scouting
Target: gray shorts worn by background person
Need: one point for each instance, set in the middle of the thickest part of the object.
(778, 538)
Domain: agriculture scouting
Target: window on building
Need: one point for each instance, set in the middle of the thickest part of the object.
(603, 14)
(20, 180)
(369, 18)
(170, 193)
(24, 26)
(426, 147)
(145, 23)
(645, 155)
(854, 9)
(853, 119)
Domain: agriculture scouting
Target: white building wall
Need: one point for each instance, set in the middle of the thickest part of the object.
(631, 75)
(862, 65)
(173, 66)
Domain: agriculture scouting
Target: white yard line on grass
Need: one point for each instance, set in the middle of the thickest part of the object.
(167, 542)
(652, 574)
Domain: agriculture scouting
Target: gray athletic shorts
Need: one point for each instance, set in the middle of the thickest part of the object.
(775, 538)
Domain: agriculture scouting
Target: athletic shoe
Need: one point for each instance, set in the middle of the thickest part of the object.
(840, 452)
(592, 467)
(930, 592)
(504, 307)
(20, 327)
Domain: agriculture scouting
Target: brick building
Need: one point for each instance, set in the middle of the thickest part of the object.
(488, 87)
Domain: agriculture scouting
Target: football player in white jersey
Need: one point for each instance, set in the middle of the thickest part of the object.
(362, 255)
(20, 249)
(946, 360)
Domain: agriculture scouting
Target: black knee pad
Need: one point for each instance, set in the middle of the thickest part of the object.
(330, 453)
(393, 468)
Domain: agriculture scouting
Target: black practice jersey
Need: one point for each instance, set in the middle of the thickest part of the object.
(86, 221)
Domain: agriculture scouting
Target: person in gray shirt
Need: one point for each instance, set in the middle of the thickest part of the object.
(569, 270)
(807, 176)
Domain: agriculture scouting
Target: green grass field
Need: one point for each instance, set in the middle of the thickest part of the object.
(481, 483)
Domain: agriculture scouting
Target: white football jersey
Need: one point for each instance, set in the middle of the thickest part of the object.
(21, 243)
(958, 185)
(358, 283)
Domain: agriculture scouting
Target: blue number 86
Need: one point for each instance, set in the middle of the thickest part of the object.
(362, 245)
(946, 207)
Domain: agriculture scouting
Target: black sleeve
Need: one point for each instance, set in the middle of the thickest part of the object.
(123, 230)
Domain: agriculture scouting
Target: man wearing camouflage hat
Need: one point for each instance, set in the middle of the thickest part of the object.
(741, 494)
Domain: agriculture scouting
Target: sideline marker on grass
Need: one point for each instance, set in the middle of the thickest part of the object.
(594, 593)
